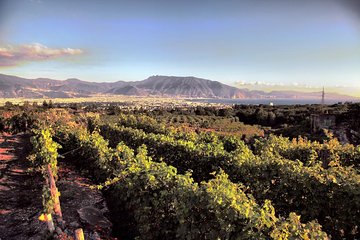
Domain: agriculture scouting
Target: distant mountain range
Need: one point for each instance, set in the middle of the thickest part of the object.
(168, 86)
(351, 90)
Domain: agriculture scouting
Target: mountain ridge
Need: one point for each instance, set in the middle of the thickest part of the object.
(158, 85)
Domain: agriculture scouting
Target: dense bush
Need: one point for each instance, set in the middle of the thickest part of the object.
(312, 191)
(21, 122)
(151, 200)
(328, 153)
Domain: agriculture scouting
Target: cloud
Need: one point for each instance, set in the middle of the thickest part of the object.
(15, 55)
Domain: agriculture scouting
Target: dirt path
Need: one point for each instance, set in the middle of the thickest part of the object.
(21, 196)
(77, 195)
(20, 191)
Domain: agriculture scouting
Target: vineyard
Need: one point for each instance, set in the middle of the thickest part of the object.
(180, 177)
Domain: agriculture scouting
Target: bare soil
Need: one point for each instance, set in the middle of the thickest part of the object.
(76, 193)
(20, 191)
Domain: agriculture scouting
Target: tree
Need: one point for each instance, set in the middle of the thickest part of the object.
(8, 104)
(50, 105)
(45, 104)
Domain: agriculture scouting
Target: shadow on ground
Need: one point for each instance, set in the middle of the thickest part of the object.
(20, 190)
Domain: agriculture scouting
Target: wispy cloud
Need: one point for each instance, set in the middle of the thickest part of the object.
(15, 55)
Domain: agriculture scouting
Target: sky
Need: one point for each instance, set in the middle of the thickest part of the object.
(311, 42)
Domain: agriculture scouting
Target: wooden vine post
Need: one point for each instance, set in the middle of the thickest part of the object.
(49, 221)
(79, 234)
(54, 193)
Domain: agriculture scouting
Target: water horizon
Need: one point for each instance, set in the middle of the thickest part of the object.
(268, 101)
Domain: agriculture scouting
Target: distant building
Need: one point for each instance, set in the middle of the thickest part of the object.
(320, 121)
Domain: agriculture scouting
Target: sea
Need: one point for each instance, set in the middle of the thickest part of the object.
(265, 101)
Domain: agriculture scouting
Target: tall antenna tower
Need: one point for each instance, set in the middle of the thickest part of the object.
(323, 97)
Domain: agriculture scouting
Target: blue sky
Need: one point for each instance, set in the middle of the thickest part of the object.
(308, 42)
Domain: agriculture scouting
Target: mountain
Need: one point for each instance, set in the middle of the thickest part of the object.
(310, 95)
(11, 86)
(296, 88)
(182, 87)
(168, 86)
